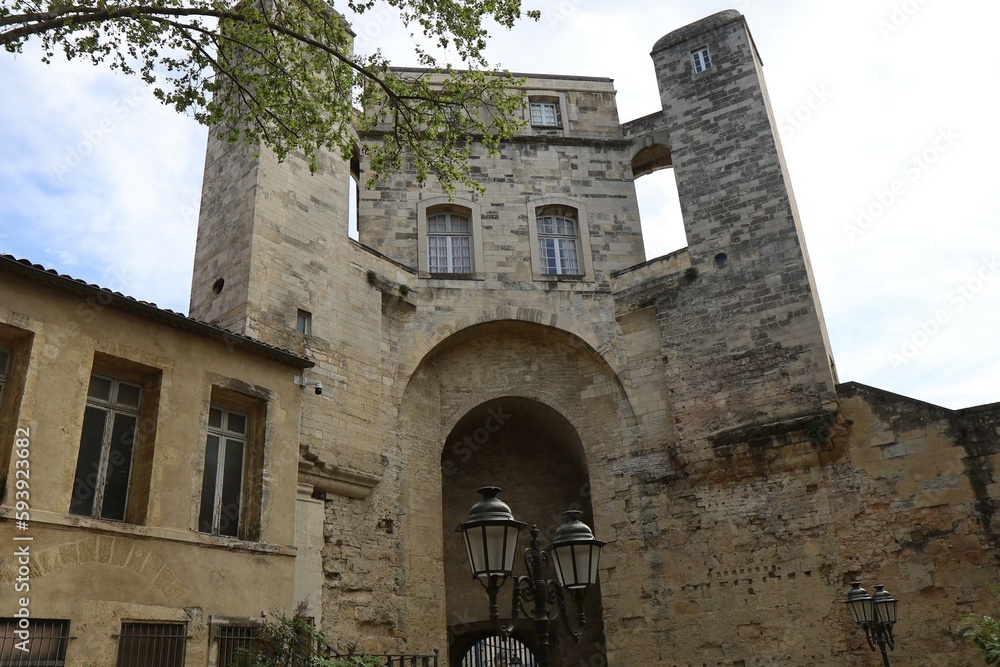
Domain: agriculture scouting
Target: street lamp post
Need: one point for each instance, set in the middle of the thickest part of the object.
(491, 542)
(876, 614)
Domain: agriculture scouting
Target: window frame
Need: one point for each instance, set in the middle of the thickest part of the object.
(179, 649)
(223, 648)
(557, 98)
(112, 408)
(61, 638)
(701, 60)
(428, 208)
(548, 206)
(18, 342)
(249, 519)
(561, 244)
(303, 321)
(542, 106)
(143, 437)
(451, 237)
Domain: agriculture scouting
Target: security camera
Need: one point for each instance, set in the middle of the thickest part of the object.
(315, 384)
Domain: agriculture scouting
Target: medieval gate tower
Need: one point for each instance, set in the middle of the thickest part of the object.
(520, 337)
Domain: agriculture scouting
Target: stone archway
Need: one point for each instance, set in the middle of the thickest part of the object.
(535, 454)
(578, 419)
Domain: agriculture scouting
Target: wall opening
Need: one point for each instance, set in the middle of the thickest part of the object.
(659, 205)
(353, 193)
(536, 456)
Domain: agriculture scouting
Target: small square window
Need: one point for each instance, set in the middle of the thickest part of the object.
(303, 322)
(545, 114)
(701, 59)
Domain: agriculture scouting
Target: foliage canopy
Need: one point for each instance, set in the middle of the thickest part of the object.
(282, 72)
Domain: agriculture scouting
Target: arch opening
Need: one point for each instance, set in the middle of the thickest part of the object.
(659, 204)
(537, 457)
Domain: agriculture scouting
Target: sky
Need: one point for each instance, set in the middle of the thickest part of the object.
(885, 113)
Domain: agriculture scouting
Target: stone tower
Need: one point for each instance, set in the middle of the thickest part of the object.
(519, 337)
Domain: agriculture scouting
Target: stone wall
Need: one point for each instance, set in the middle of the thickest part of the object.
(739, 490)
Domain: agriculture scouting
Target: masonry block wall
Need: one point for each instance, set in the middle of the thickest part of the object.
(745, 340)
(688, 403)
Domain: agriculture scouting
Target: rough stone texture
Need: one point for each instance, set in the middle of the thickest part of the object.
(687, 404)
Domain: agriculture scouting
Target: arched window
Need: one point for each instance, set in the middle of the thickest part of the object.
(449, 242)
(558, 240)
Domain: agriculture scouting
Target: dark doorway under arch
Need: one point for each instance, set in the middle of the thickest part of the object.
(536, 456)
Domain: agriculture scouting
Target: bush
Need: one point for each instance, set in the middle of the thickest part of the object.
(985, 636)
(295, 642)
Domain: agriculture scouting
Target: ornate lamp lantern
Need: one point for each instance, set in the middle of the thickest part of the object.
(876, 614)
(491, 541)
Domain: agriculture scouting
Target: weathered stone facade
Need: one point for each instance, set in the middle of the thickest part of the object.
(688, 404)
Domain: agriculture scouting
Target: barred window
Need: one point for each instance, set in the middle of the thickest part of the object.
(104, 463)
(232, 639)
(449, 243)
(151, 645)
(41, 644)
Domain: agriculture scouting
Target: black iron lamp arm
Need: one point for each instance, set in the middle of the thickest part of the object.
(493, 589)
(555, 590)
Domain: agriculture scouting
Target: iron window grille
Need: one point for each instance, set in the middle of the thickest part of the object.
(45, 645)
(231, 639)
(104, 463)
(498, 651)
(151, 645)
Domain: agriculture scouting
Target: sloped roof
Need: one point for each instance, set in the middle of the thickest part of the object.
(52, 279)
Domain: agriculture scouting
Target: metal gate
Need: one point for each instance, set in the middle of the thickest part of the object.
(497, 651)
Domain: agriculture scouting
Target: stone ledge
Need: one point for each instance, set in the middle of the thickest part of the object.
(330, 478)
